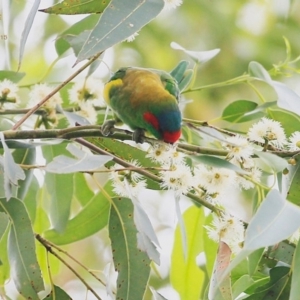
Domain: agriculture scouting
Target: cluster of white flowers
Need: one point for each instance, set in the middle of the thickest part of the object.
(228, 229)
(268, 130)
(8, 93)
(87, 94)
(39, 92)
(127, 183)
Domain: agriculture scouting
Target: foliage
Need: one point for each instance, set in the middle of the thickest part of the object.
(73, 201)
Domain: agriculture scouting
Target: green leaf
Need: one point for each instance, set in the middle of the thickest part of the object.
(275, 220)
(287, 98)
(255, 69)
(293, 180)
(25, 270)
(92, 218)
(3, 223)
(220, 289)
(26, 29)
(12, 172)
(4, 262)
(11, 75)
(275, 288)
(289, 120)
(128, 153)
(295, 286)
(241, 285)
(254, 259)
(236, 112)
(82, 190)
(71, 7)
(282, 252)
(88, 23)
(275, 162)
(119, 21)
(218, 163)
(186, 277)
(83, 161)
(25, 156)
(197, 56)
(60, 188)
(132, 264)
(58, 294)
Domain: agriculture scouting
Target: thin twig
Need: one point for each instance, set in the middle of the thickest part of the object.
(50, 250)
(37, 106)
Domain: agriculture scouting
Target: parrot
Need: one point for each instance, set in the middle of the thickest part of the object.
(147, 101)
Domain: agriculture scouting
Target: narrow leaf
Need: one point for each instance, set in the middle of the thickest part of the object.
(220, 288)
(235, 111)
(87, 23)
(257, 70)
(197, 56)
(92, 218)
(11, 75)
(60, 189)
(83, 162)
(71, 7)
(218, 163)
(25, 270)
(132, 264)
(186, 277)
(12, 171)
(119, 20)
(277, 163)
(58, 294)
(27, 27)
(25, 156)
(295, 287)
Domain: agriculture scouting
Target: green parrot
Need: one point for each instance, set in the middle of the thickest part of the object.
(146, 100)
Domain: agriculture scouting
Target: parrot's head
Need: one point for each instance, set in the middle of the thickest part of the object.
(165, 125)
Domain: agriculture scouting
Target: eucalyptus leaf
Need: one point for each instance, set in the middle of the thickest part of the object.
(185, 275)
(277, 163)
(25, 270)
(133, 265)
(71, 7)
(27, 27)
(12, 171)
(218, 163)
(119, 20)
(295, 286)
(197, 56)
(11, 75)
(58, 294)
(83, 162)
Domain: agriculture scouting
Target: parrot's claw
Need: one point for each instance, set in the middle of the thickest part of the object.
(107, 127)
(138, 136)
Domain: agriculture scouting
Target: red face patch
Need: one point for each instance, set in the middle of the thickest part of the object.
(171, 137)
(150, 118)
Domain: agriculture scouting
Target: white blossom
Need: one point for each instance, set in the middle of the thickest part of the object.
(244, 183)
(294, 238)
(179, 178)
(238, 148)
(294, 141)
(171, 4)
(127, 183)
(228, 229)
(39, 92)
(267, 129)
(9, 90)
(90, 89)
(88, 111)
(132, 37)
(214, 180)
(165, 154)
